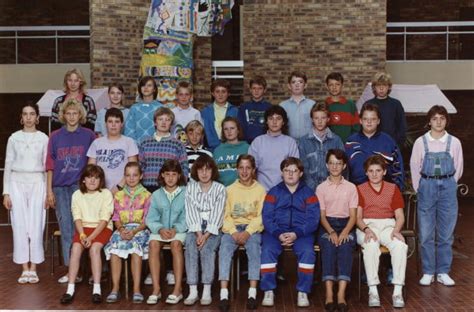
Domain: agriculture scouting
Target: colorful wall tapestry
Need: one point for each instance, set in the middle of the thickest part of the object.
(168, 38)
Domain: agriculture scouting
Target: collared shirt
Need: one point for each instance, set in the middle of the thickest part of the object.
(219, 114)
(435, 145)
(159, 138)
(337, 198)
(298, 116)
(172, 195)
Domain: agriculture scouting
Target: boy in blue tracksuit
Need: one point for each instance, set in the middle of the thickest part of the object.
(290, 218)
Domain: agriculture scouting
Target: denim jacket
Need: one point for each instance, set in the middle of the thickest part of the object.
(313, 155)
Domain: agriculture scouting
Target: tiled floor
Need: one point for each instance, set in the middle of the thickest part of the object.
(46, 294)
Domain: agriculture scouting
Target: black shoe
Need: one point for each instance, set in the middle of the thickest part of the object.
(342, 307)
(66, 298)
(224, 305)
(330, 307)
(96, 298)
(252, 303)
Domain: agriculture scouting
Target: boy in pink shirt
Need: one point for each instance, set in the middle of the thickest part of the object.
(338, 203)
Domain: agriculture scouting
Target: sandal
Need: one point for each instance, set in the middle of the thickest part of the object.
(33, 277)
(137, 298)
(23, 279)
(113, 297)
(173, 299)
(153, 299)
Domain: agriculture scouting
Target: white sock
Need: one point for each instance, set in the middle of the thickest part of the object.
(96, 289)
(397, 290)
(193, 291)
(373, 290)
(206, 291)
(70, 289)
(224, 293)
(253, 292)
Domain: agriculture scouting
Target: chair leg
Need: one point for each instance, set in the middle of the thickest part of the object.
(360, 273)
(125, 267)
(238, 271)
(52, 253)
(232, 278)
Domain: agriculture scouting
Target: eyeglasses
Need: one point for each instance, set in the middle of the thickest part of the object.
(289, 171)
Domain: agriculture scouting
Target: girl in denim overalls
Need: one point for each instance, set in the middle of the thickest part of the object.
(436, 165)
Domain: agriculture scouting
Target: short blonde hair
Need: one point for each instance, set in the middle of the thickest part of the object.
(194, 125)
(382, 78)
(72, 104)
(80, 75)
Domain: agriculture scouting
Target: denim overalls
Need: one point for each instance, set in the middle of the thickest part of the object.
(437, 209)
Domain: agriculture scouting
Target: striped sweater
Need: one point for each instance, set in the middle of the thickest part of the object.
(153, 154)
(344, 118)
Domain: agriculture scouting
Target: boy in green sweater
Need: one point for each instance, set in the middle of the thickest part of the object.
(344, 118)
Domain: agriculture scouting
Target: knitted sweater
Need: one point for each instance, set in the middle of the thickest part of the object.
(344, 117)
(153, 154)
(139, 123)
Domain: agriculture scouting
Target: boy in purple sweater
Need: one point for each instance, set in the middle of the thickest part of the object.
(66, 158)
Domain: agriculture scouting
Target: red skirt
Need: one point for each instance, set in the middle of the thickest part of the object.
(102, 238)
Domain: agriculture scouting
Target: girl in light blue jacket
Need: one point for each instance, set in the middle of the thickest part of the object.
(167, 223)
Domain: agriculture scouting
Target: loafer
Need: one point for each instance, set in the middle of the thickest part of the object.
(330, 307)
(224, 305)
(189, 301)
(96, 298)
(33, 277)
(445, 279)
(374, 300)
(426, 280)
(24, 278)
(112, 297)
(252, 303)
(153, 299)
(342, 307)
(66, 299)
(173, 299)
(397, 301)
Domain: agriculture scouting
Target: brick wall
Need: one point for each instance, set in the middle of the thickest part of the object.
(116, 42)
(314, 36)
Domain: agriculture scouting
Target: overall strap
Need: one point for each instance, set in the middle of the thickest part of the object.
(425, 144)
(448, 146)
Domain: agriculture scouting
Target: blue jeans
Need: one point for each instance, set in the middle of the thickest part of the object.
(63, 195)
(207, 255)
(227, 249)
(336, 260)
(437, 216)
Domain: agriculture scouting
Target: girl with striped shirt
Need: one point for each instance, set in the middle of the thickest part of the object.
(204, 206)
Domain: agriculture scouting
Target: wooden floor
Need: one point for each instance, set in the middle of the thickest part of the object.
(46, 294)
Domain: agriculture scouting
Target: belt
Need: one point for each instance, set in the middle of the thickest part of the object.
(437, 177)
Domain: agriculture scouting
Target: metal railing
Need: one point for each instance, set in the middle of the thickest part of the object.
(56, 30)
(447, 29)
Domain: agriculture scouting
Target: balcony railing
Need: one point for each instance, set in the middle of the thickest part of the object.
(430, 41)
(44, 44)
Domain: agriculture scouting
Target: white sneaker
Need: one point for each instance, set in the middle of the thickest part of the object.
(190, 300)
(445, 279)
(302, 300)
(398, 301)
(170, 278)
(148, 280)
(268, 299)
(426, 280)
(374, 300)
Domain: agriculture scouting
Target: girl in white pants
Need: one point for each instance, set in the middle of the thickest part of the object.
(24, 192)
